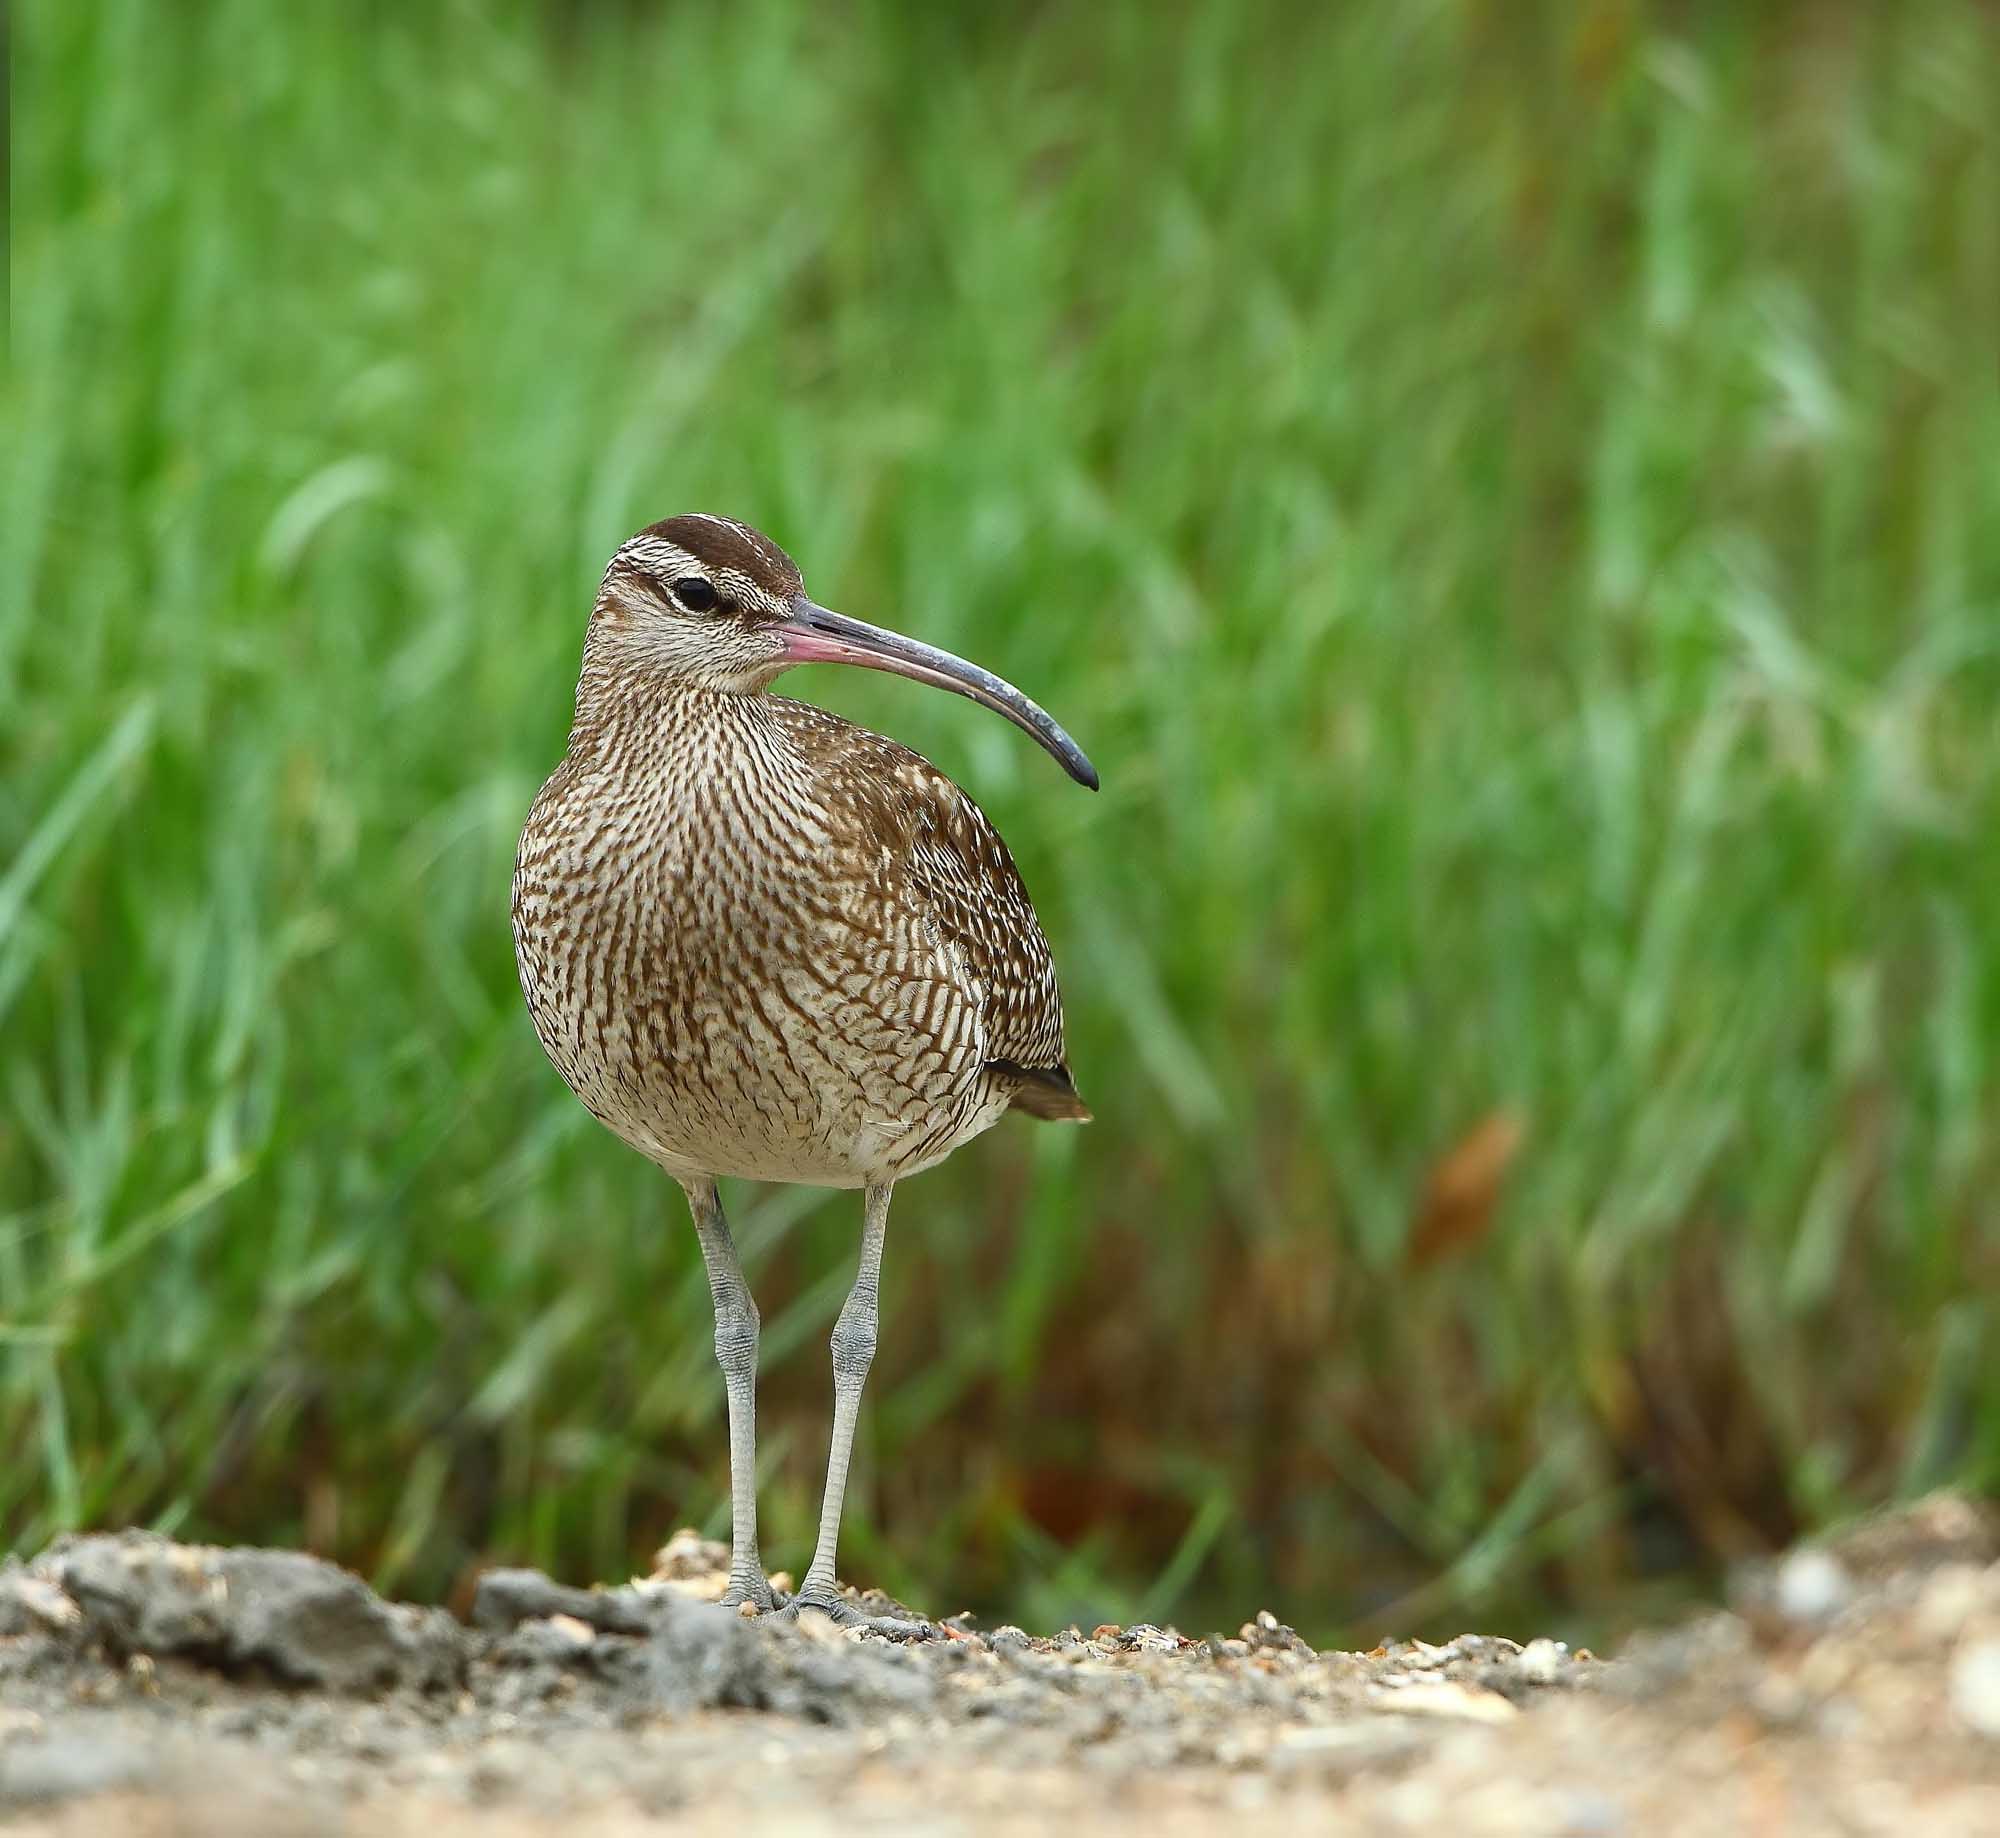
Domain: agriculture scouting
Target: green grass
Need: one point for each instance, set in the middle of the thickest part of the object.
(1509, 497)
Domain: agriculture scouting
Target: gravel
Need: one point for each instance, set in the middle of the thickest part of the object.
(153, 1687)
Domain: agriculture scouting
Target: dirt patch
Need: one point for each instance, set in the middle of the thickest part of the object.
(152, 1687)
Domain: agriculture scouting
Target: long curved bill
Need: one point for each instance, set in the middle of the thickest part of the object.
(813, 635)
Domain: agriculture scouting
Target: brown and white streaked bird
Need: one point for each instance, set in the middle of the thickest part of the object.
(760, 941)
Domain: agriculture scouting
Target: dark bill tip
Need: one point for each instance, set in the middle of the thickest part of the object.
(814, 635)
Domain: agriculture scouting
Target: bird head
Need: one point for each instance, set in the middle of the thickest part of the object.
(720, 606)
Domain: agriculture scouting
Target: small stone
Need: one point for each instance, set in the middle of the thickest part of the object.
(1950, 1600)
(1812, 1588)
(1443, 1697)
(1267, 1634)
(576, 1633)
(37, 1600)
(1975, 1686)
(19, 1723)
(1780, 1700)
(689, 1557)
(1542, 1661)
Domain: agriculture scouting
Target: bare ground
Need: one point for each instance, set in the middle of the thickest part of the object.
(155, 1688)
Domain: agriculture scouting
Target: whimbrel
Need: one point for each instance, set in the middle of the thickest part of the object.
(762, 942)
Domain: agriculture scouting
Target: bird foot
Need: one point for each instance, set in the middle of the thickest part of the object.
(754, 1589)
(815, 1599)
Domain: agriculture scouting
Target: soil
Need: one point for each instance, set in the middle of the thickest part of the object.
(148, 1687)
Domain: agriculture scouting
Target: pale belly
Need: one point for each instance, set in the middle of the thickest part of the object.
(786, 1043)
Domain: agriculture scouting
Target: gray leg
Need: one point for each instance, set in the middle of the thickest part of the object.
(853, 1351)
(736, 1324)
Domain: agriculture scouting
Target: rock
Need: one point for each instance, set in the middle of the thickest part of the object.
(1542, 1661)
(1444, 1697)
(1268, 1634)
(69, 1766)
(571, 1631)
(687, 1554)
(1974, 1686)
(32, 1604)
(503, 1599)
(694, 1565)
(544, 1644)
(1811, 1587)
(304, 1621)
(1952, 1597)
(700, 1658)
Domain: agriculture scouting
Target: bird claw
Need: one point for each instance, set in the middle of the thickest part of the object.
(843, 1613)
(756, 1591)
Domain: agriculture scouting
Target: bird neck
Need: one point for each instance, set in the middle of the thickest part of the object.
(643, 716)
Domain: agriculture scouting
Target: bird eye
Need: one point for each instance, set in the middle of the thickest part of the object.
(697, 595)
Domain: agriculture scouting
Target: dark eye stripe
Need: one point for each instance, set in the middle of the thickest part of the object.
(696, 594)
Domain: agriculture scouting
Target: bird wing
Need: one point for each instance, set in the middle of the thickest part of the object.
(951, 860)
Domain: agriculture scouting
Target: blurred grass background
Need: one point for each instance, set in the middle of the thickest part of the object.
(1509, 496)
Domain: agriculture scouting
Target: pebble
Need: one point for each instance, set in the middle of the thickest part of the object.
(1975, 1686)
(1444, 1697)
(1812, 1587)
(39, 1599)
(1542, 1661)
(19, 1723)
(1950, 1599)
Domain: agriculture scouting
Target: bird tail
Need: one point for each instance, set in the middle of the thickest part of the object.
(1047, 1092)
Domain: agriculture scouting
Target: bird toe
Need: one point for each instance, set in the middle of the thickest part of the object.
(843, 1613)
(756, 1591)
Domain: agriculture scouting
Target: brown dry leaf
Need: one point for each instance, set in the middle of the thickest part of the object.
(1464, 1188)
